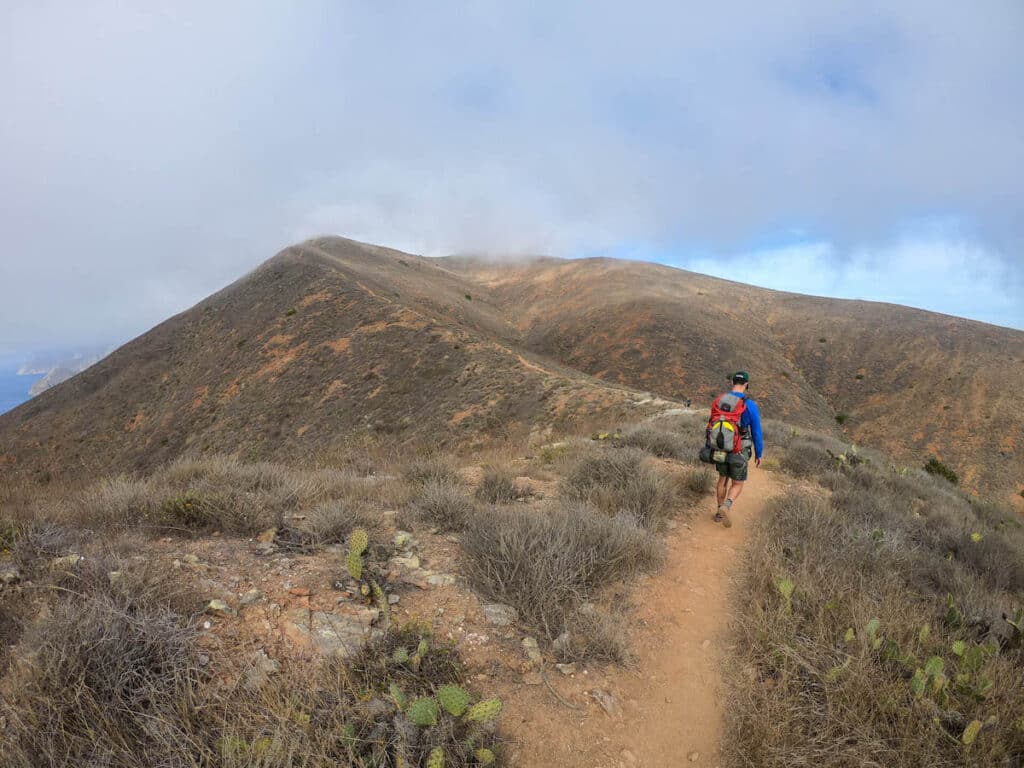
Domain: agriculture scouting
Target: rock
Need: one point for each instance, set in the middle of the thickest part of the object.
(259, 672)
(9, 574)
(499, 614)
(410, 563)
(203, 659)
(250, 597)
(441, 579)
(607, 702)
(533, 678)
(532, 650)
(417, 578)
(566, 669)
(68, 561)
(404, 540)
(115, 577)
(393, 599)
(219, 608)
(705, 644)
(299, 592)
(266, 548)
(190, 559)
(332, 634)
(267, 537)
(693, 757)
(628, 757)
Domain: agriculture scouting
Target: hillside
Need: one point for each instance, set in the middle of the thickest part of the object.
(326, 342)
(332, 339)
(812, 359)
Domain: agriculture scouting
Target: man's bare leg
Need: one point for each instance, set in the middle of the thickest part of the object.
(722, 515)
(735, 490)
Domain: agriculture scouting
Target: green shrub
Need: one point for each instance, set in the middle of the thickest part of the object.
(935, 467)
(842, 418)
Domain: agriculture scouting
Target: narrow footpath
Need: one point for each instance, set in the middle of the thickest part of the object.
(668, 706)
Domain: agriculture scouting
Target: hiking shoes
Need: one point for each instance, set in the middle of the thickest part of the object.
(722, 516)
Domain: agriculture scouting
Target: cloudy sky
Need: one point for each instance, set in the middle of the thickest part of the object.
(853, 149)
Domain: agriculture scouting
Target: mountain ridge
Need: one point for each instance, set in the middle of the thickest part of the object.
(451, 349)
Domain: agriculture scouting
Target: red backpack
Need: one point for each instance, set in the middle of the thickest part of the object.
(724, 426)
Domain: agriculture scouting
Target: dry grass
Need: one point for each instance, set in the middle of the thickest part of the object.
(546, 564)
(432, 469)
(622, 481)
(699, 480)
(221, 493)
(810, 687)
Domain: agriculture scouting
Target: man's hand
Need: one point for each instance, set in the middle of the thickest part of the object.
(757, 462)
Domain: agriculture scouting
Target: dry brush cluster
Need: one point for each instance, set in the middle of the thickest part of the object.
(880, 625)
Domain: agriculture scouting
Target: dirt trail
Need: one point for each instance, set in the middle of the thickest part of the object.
(671, 705)
(685, 619)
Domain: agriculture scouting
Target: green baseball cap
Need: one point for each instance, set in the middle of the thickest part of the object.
(740, 377)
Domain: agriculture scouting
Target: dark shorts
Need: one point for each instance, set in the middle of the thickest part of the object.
(737, 468)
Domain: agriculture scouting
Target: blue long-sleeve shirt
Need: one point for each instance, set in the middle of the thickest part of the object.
(752, 418)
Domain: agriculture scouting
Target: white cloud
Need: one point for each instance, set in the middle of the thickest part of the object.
(150, 156)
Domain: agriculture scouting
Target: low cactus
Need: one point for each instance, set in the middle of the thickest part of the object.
(400, 656)
(422, 712)
(454, 699)
(484, 756)
(484, 711)
(358, 540)
(436, 758)
(398, 697)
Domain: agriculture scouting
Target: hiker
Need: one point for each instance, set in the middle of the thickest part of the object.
(734, 428)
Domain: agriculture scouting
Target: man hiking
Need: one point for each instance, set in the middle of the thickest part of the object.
(734, 428)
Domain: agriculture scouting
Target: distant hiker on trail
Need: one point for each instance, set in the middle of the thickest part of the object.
(734, 428)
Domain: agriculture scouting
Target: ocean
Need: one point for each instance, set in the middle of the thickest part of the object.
(14, 388)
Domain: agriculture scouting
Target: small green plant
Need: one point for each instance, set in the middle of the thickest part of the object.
(859, 377)
(786, 586)
(436, 758)
(469, 297)
(871, 630)
(290, 312)
(842, 418)
(187, 509)
(822, 339)
(935, 467)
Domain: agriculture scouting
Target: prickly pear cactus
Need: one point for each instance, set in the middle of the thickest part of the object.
(354, 562)
(400, 656)
(422, 712)
(484, 711)
(454, 699)
(484, 756)
(358, 541)
(436, 758)
(381, 599)
(422, 648)
(398, 696)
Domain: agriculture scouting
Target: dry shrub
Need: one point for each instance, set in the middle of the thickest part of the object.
(498, 486)
(442, 504)
(621, 481)
(805, 457)
(657, 442)
(806, 690)
(547, 564)
(595, 634)
(698, 480)
(432, 469)
(331, 522)
(109, 681)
